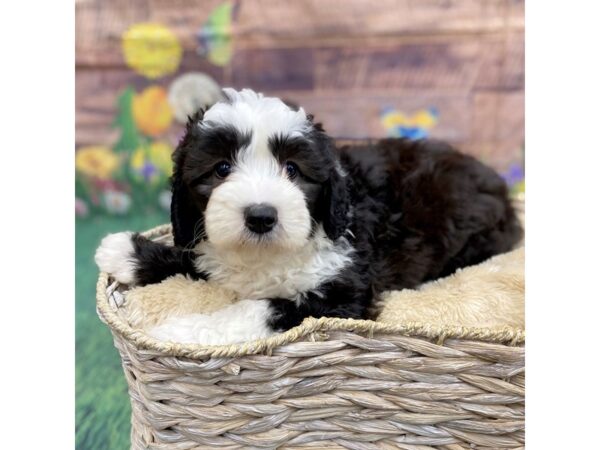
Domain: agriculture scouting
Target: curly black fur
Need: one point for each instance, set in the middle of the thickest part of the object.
(412, 210)
(420, 210)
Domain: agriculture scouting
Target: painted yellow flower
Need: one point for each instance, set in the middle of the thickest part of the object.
(160, 155)
(96, 161)
(138, 159)
(151, 111)
(152, 50)
(152, 163)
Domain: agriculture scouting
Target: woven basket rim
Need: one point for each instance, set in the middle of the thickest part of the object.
(310, 326)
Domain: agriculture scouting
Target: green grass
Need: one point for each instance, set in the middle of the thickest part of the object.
(102, 403)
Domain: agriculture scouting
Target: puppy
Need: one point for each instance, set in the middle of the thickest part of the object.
(266, 206)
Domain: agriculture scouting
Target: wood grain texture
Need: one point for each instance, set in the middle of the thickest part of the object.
(343, 60)
(99, 23)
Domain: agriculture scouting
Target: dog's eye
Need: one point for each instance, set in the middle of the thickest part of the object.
(223, 169)
(291, 170)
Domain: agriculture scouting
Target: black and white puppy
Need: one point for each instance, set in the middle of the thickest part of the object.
(265, 205)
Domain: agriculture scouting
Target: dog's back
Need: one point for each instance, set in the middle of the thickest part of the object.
(440, 210)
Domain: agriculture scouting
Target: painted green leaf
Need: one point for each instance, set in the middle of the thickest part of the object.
(129, 138)
(215, 36)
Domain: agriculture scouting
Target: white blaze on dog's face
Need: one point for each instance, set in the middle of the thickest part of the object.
(258, 173)
(257, 202)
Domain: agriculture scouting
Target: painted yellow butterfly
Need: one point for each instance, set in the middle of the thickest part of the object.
(416, 126)
(216, 35)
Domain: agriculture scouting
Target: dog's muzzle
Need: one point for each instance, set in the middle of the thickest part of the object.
(260, 218)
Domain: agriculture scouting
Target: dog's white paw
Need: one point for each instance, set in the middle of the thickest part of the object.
(116, 256)
(242, 321)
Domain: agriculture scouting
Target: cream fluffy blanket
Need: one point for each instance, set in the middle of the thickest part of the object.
(488, 295)
(491, 294)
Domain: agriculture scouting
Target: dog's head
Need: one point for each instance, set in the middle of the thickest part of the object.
(253, 172)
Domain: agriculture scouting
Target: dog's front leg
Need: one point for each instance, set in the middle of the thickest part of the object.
(243, 321)
(247, 320)
(135, 260)
(332, 300)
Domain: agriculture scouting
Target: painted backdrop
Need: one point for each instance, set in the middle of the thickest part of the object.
(451, 69)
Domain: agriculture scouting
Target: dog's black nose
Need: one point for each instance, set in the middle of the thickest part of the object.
(260, 218)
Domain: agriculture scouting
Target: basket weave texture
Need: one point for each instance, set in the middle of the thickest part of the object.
(329, 383)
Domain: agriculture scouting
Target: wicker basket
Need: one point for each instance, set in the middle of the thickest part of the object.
(329, 383)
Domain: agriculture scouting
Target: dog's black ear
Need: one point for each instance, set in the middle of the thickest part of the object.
(186, 217)
(336, 204)
(335, 197)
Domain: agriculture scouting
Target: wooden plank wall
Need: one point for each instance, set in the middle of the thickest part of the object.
(343, 60)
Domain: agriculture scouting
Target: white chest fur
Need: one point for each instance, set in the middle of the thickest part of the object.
(264, 273)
